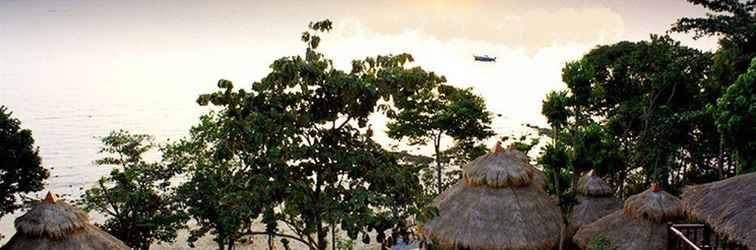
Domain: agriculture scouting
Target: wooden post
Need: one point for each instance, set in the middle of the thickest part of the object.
(706, 238)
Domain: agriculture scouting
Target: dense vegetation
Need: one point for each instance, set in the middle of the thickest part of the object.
(658, 111)
(21, 169)
(292, 157)
(136, 197)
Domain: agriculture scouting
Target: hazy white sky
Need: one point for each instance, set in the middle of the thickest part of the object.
(147, 50)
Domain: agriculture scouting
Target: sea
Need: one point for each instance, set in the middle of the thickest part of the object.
(68, 120)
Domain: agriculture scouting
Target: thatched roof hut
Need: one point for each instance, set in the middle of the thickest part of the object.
(641, 225)
(500, 204)
(54, 224)
(595, 200)
(729, 206)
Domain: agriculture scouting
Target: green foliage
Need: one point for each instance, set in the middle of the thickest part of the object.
(736, 119)
(578, 75)
(295, 138)
(638, 104)
(524, 143)
(21, 168)
(221, 193)
(136, 197)
(555, 159)
(600, 242)
(595, 149)
(453, 159)
(438, 111)
(555, 108)
(347, 244)
(734, 23)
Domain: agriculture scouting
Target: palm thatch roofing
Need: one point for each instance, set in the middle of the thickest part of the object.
(640, 225)
(54, 224)
(500, 204)
(728, 205)
(595, 200)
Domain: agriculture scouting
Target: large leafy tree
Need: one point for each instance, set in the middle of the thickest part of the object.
(222, 194)
(300, 132)
(136, 197)
(734, 23)
(442, 112)
(645, 98)
(595, 149)
(21, 169)
(578, 75)
(736, 119)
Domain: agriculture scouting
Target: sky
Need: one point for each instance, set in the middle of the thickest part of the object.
(150, 51)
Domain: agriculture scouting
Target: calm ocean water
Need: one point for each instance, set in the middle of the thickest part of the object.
(67, 120)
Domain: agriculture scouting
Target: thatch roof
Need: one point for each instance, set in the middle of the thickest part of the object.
(654, 205)
(595, 200)
(592, 185)
(728, 205)
(640, 225)
(53, 224)
(500, 204)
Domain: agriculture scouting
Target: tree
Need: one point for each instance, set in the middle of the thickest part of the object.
(734, 22)
(649, 96)
(596, 150)
(21, 169)
(222, 194)
(136, 197)
(436, 113)
(299, 132)
(736, 119)
(555, 108)
(458, 155)
(554, 158)
(578, 75)
(648, 101)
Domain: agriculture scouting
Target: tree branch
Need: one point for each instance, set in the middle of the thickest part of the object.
(251, 233)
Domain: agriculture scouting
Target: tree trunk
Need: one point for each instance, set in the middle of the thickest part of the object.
(333, 236)
(578, 123)
(231, 244)
(319, 230)
(439, 174)
(270, 242)
(557, 174)
(557, 169)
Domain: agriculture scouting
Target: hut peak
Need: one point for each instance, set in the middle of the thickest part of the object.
(505, 168)
(592, 185)
(655, 205)
(55, 224)
(50, 198)
(656, 187)
(497, 147)
(477, 213)
(52, 219)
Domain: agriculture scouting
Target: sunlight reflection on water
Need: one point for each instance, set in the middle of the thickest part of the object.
(67, 122)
